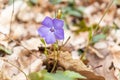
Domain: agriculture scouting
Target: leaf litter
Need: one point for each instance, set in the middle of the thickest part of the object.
(102, 54)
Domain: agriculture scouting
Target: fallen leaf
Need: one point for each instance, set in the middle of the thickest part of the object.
(65, 60)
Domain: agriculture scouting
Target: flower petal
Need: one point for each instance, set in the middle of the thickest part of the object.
(58, 24)
(47, 22)
(50, 39)
(43, 31)
(59, 34)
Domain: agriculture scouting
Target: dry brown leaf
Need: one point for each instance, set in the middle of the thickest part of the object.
(3, 77)
(96, 52)
(102, 67)
(5, 18)
(35, 66)
(116, 63)
(32, 44)
(65, 60)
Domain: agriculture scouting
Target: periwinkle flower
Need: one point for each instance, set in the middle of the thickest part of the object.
(51, 30)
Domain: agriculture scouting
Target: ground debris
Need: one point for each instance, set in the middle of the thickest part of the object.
(65, 60)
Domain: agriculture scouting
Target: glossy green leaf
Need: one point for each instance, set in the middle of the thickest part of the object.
(55, 1)
(74, 75)
(59, 75)
(81, 9)
(98, 37)
(74, 13)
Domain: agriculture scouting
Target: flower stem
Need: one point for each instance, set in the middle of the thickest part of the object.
(55, 63)
(46, 51)
(56, 53)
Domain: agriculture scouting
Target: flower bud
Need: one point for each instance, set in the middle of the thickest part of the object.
(59, 13)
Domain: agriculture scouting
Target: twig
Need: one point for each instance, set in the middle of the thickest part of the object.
(66, 41)
(11, 19)
(16, 67)
(108, 6)
(95, 31)
(35, 66)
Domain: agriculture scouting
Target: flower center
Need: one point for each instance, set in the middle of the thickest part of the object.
(52, 30)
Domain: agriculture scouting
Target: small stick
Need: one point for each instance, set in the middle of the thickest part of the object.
(108, 6)
(16, 67)
(11, 19)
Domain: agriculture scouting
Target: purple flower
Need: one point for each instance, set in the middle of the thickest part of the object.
(51, 30)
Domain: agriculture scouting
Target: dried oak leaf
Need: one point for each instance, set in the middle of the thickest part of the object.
(65, 60)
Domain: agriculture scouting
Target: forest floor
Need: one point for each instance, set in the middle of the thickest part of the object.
(92, 38)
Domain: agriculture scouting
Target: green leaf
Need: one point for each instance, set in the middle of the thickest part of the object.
(81, 9)
(74, 75)
(90, 34)
(74, 13)
(71, 1)
(83, 24)
(59, 75)
(55, 1)
(98, 37)
(35, 76)
(56, 76)
(48, 76)
(66, 9)
(7, 51)
(71, 11)
(43, 41)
